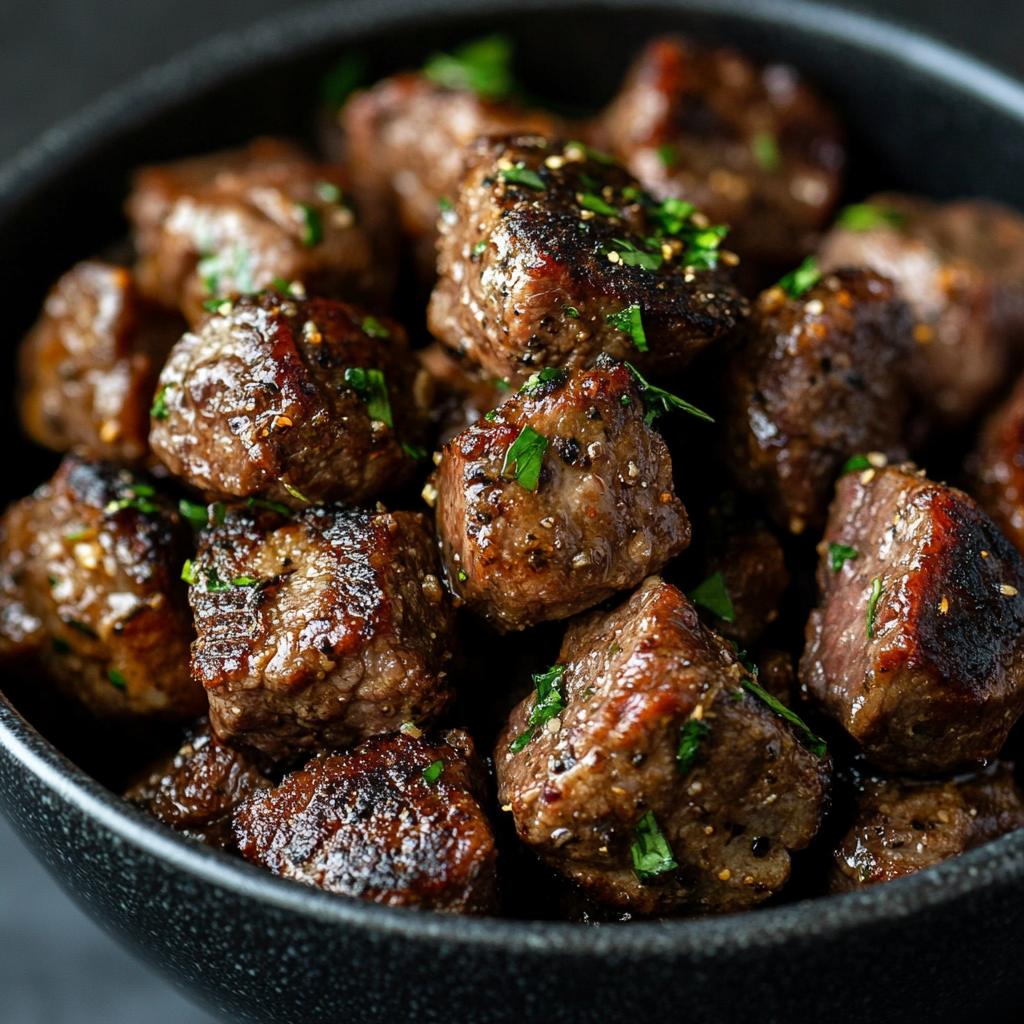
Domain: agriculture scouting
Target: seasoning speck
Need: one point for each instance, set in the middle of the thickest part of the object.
(724, 875)
(1005, 588)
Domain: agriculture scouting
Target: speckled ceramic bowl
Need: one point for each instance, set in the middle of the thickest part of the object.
(946, 944)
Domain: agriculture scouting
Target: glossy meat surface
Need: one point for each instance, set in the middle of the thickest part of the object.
(917, 645)
(960, 267)
(636, 680)
(904, 825)
(94, 557)
(198, 788)
(88, 367)
(319, 630)
(750, 145)
(231, 223)
(820, 378)
(462, 393)
(276, 397)
(600, 516)
(376, 823)
(529, 276)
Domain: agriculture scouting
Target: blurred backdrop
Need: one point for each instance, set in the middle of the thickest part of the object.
(56, 56)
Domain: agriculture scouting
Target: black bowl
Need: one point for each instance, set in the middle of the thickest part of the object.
(946, 943)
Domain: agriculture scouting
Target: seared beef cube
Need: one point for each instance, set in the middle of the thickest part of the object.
(651, 776)
(553, 255)
(321, 630)
(405, 140)
(998, 467)
(231, 223)
(917, 645)
(820, 379)
(744, 580)
(397, 821)
(462, 394)
(197, 789)
(94, 558)
(295, 401)
(960, 267)
(904, 825)
(89, 366)
(750, 145)
(560, 497)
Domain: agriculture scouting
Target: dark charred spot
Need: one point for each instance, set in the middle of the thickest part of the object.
(568, 449)
(760, 845)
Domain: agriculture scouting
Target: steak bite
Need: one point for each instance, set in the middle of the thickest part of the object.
(397, 821)
(750, 145)
(462, 394)
(320, 630)
(904, 825)
(88, 368)
(232, 223)
(557, 499)
(197, 789)
(553, 254)
(960, 267)
(917, 645)
(658, 782)
(291, 400)
(997, 465)
(820, 378)
(91, 563)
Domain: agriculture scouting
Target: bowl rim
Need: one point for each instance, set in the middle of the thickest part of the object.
(282, 38)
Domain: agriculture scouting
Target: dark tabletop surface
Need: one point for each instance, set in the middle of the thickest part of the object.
(56, 967)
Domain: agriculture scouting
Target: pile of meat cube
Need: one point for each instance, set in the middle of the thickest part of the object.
(432, 614)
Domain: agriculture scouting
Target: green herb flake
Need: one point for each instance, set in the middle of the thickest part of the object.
(588, 693)
(194, 514)
(651, 852)
(629, 322)
(800, 281)
(548, 703)
(222, 306)
(80, 534)
(588, 201)
(593, 154)
(712, 595)
(867, 217)
(480, 248)
(281, 285)
(483, 67)
(60, 645)
(374, 328)
(445, 205)
(310, 223)
(52, 580)
(371, 387)
(546, 376)
(631, 256)
(295, 492)
(764, 148)
(522, 175)
(462, 575)
(342, 80)
(572, 312)
(188, 572)
(668, 156)
(521, 741)
(814, 743)
(414, 451)
(159, 411)
(501, 385)
(839, 555)
(657, 401)
(244, 581)
(876, 593)
(328, 191)
(690, 737)
(433, 771)
(140, 504)
(526, 454)
(855, 465)
(116, 679)
(214, 584)
(273, 506)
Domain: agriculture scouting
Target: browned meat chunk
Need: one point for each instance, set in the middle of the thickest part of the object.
(462, 394)
(93, 558)
(917, 645)
(295, 401)
(998, 467)
(231, 223)
(960, 267)
(405, 141)
(821, 378)
(658, 782)
(904, 825)
(321, 630)
(89, 366)
(553, 255)
(557, 499)
(775, 674)
(197, 789)
(749, 145)
(397, 821)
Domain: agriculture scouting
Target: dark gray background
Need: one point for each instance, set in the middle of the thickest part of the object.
(56, 56)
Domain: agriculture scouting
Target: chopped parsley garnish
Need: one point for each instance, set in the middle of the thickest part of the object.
(667, 155)
(222, 306)
(522, 175)
(690, 737)
(814, 743)
(594, 154)
(433, 771)
(310, 223)
(82, 628)
(866, 216)
(244, 581)
(188, 572)
(295, 492)
(630, 256)
(214, 584)
(712, 595)
(414, 451)
(657, 401)
(445, 205)
(198, 516)
(483, 66)
(235, 265)
(371, 387)
(526, 454)
(675, 218)
(281, 285)
(160, 410)
(855, 465)
(571, 311)
(52, 580)
(839, 555)
(548, 704)
(876, 593)
(281, 510)
(803, 279)
(328, 191)
(595, 203)
(630, 322)
(462, 575)
(138, 502)
(342, 80)
(480, 248)
(764, 147)
(116, 679)
(545, 376)
(652, 855)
